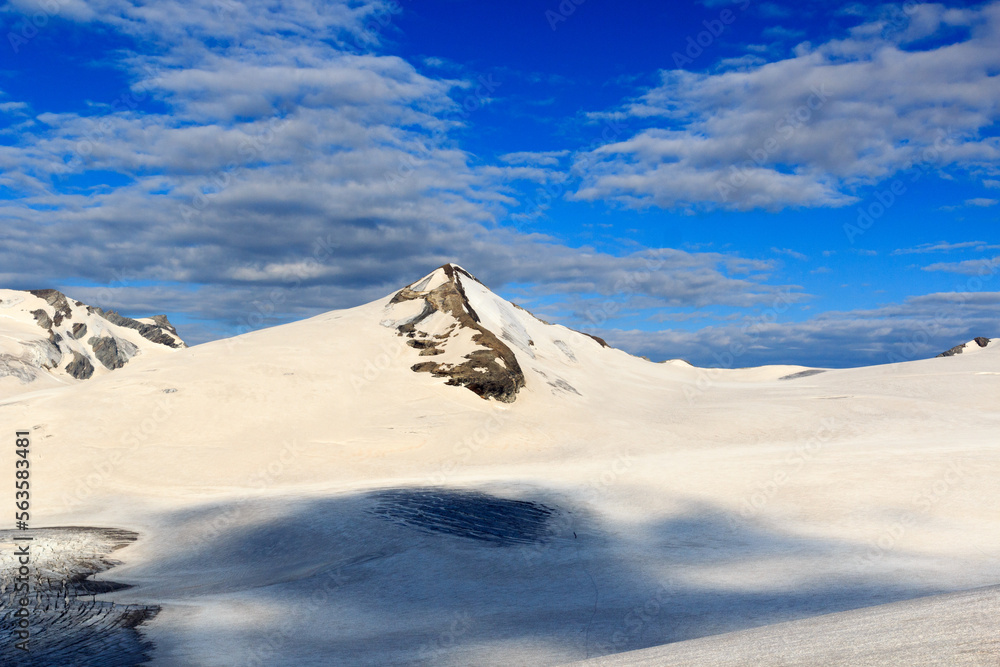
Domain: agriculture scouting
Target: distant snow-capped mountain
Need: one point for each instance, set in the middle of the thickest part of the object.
(46, 338)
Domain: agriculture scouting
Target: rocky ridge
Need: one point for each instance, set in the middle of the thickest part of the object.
(45, 333)
(958, 349)
(489, 368)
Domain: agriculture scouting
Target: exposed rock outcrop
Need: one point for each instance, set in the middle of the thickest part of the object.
(491, 371)
(72, 340)
(978, 340)
(80, 367)
(58, 300)
(162, 332)
(112, 352)
(43, 319)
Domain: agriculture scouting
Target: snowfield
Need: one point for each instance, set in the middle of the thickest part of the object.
(303, 497)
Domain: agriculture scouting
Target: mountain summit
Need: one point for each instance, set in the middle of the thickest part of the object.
(47, 338)
(475, 338)
(439, 453)
(446, 325)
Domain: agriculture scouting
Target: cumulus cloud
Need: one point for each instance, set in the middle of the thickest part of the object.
(268, 167)
(811, 129)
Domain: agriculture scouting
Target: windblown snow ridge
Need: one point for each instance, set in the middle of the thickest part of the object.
(440, 320)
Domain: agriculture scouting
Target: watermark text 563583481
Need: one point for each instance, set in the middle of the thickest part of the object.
(22, 542)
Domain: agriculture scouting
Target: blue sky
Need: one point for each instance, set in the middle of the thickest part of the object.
(802, 182)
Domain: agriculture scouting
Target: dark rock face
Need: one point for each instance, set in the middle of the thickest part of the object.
(43, 319)
(80, 367)
(597, 338)
(106, 346)
(148, 331)
(69, 626)
(492, 372)
(58, 300)
(469, 514)
(979, 340)
(113, 353)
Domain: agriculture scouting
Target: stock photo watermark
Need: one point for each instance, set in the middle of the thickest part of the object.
(784, 129)
(696, 44)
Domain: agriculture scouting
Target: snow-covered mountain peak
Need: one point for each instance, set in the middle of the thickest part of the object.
(477, 339)
(47, 338)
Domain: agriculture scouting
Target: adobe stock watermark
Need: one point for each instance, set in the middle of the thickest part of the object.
(897, 18)
(464, 449)
(264, 309)
(796, 459)
(447, 639)
(28, 27)
(262, 479)
(749, 333)
(97, 130)
(567, 520)
(628, 285)
(105, 297)
(251, 149)
(381, 18)
(638, 618)
(871, 212)
(924, 501)
(784, 129)
(561, 13)
(917, 340)
(272, 643)
(479, 96)
(549, 192)
(131, 442)
(695, 45)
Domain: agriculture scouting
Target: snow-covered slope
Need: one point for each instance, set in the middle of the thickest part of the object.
(312, 494)
(952, 629)
(48, 339)
(973, 346)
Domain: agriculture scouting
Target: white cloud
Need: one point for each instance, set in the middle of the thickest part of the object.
(811, 129)
(969, 267)
(287, 164)
(790, 253)
(918, 328)
(981, 202)
(537, 158)
(941, 246)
